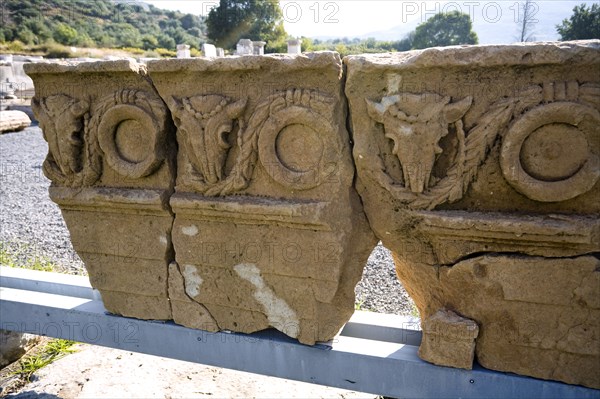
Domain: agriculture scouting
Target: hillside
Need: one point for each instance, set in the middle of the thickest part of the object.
(98, 23)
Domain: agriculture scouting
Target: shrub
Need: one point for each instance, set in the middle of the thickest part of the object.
(163, 52)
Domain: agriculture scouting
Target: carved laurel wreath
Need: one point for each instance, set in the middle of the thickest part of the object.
(471, 152)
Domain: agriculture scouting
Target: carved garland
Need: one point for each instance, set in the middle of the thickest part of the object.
(305, 107)
(79, 138)
(247, 139)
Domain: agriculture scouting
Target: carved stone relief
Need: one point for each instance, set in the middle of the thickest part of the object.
(268, 231)
(131, 131)
(205, 122)
(296, 135)
(479, 167)
(73, 156)
(125, 127)
(485, 195)
(110, 162)
(551, 153)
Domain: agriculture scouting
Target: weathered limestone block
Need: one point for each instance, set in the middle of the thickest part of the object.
(449, 340)
(268, 230)
(14, 345)
(478, 167)
(13, 121)
(111, 162)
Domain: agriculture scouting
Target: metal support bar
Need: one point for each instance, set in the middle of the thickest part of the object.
(371, 354)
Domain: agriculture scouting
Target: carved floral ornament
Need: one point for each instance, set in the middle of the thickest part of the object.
(206, 121)
(80, 136)
(415, 124)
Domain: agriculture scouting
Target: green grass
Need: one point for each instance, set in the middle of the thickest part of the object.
(358, 304)
(9, 257)
(414, 311)
(54, 350)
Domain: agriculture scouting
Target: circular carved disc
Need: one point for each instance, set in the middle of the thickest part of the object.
(552, 152)
(297, 148)
(128, 135)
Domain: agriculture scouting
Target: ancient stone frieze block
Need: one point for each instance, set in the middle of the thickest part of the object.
(482, 152)
(268, 230)
(221, 193)
(111, 162)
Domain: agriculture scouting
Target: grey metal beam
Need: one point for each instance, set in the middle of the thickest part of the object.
(383, 368)
(51, 283)
(388, 328)
(384, 327)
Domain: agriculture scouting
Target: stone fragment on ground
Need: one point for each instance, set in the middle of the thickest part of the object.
(98, 372)
(14, 345)
(13, 121)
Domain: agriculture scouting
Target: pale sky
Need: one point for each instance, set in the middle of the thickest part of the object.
(494, 21)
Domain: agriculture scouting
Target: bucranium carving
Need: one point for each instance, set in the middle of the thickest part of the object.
(416, 123)
(206, 121)
(61, 118)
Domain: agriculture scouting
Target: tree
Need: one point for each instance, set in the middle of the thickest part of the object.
(583, 24)
(233, 20)
(527, 20)
(189, 21)
(64, 34)
(445, 29)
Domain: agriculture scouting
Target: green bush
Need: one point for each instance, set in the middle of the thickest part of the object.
(163, 52)
(53, 50)
(133, 50)
(16, 46)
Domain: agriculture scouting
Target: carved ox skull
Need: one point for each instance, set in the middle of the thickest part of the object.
(416, 123)
(61, 119)
(206, 122)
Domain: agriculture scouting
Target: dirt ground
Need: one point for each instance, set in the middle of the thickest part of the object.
(98, 372)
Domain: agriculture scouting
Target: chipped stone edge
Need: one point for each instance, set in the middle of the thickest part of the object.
(61, 67)
(272, 62)
(488, 56)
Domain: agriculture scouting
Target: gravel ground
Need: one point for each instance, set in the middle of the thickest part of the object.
(32, 228)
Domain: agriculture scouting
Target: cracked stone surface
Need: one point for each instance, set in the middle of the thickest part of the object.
(222, 193)
(478, 167)
(210, 192)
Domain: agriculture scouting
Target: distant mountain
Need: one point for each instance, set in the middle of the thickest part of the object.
(99, 23)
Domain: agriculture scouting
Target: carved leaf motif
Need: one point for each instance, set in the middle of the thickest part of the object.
(528, 98)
